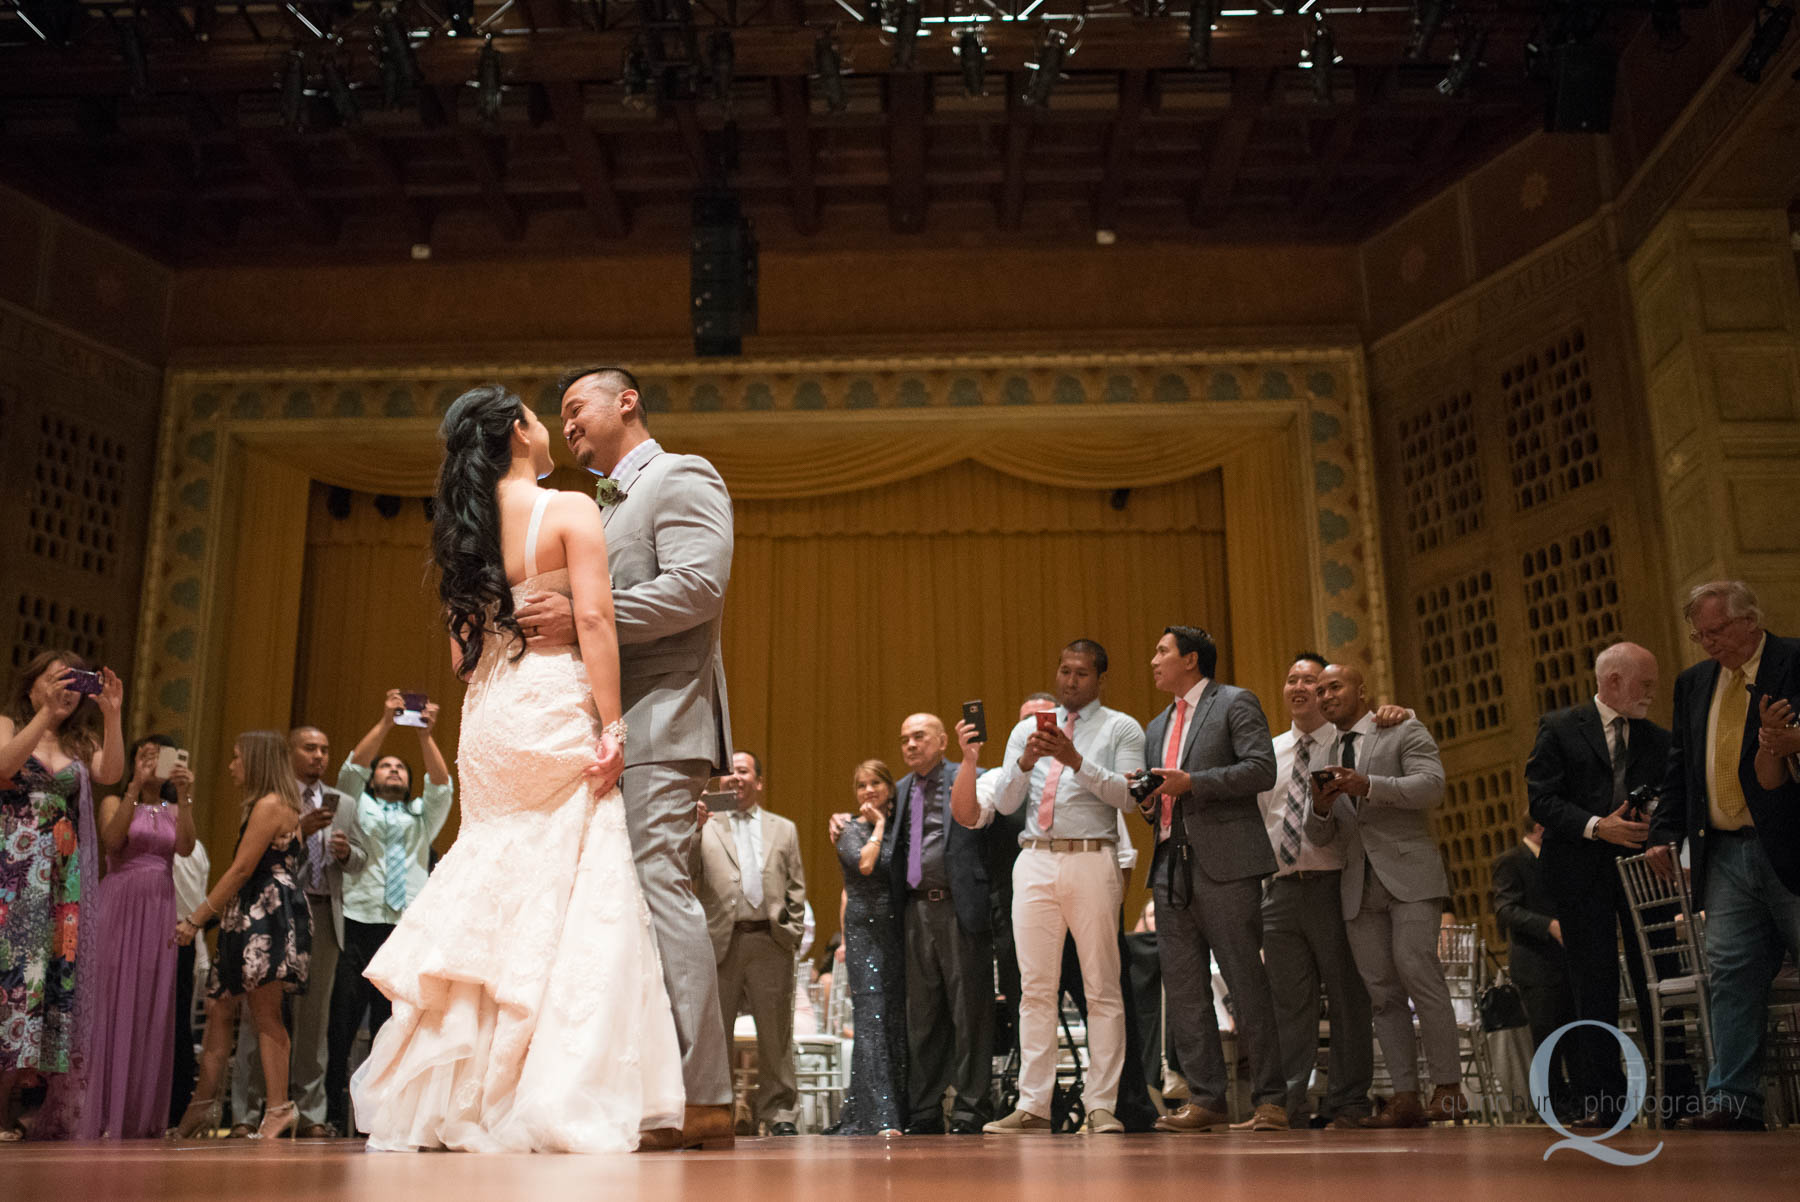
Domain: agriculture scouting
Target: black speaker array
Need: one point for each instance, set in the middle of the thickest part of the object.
(722, 274)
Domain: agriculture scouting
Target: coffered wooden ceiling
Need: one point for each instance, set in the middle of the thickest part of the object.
(165, 124)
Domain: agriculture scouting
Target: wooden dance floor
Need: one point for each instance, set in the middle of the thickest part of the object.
(1440, 1165)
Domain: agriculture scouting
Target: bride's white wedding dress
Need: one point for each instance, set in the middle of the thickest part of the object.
(529, 1007)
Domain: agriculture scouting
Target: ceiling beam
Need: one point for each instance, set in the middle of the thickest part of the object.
(796, 129)
(587, 160)
(1020, 119)
(362, 146)
(1119, 142)
(485, 167)
(907, 93)
(277, 173)
(1250, 91)
(1370, 84)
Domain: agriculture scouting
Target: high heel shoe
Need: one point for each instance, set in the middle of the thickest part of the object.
(278, 1121)
(199, 1121)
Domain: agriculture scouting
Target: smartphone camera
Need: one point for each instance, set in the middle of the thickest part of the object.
(88, 684)
(1322, 777)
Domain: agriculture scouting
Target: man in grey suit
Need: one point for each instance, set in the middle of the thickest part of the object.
(751, 883)
(669, 541)
(1213, 751)
(1382, 783)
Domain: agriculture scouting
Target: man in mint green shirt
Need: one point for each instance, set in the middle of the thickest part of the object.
(397, 828)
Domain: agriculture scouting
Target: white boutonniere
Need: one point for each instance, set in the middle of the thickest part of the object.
(608, 492)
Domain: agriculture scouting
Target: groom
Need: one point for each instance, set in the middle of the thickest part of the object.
(669, 539)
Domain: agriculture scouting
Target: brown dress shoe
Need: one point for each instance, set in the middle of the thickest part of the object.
(1268, 1117)
(1447, 1105)
(1345, 1122)
(708, 1128)
(1191, 1118)
(660, 1139)
(1403, 1110)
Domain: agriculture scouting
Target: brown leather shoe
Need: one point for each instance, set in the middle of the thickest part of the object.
(1346, 1122)
(1191, 1118)
(1403, 1110)
(1447, 1105)
(708, 1128)
(660, 1139)
(1268, 1117)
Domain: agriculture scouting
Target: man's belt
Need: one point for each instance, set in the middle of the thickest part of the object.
(760, 924)
(1068, 844)
(932, 895)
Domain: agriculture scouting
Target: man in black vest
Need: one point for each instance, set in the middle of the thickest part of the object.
(941, 901)
(1586, 760)
(1525, 911)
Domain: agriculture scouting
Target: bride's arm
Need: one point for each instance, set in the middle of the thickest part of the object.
(590, 588)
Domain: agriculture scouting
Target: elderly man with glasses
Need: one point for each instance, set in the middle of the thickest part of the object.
(1733, 797)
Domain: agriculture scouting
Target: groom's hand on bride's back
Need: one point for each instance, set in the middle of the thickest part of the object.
(547, 619)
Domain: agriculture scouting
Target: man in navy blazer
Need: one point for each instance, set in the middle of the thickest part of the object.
(1212, 747)
(1743, 836)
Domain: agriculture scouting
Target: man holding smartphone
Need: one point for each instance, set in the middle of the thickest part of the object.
(1067, 766)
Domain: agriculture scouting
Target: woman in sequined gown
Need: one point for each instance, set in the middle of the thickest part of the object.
(873, 963)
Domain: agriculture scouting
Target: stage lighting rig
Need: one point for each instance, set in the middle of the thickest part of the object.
(461, 16)
(1772, 24)
(291, 87)
(1469, 49)
(1053, 49)
(1320, 56)
(337, 90)
(394, 56)
(634, 76)
(487, 85)
(828, 72)
(908, 16)
(56, 22)
(972, 56)
(1202, 19)
(1428, 18)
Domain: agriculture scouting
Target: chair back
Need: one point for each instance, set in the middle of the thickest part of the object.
(1459, 950)
(1671, 937)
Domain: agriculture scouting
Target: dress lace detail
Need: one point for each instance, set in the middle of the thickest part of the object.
(529, 1006)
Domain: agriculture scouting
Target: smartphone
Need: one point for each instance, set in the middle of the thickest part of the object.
(413, 709)
(1046, 720)
(168, 759)
(88, 684)
(1323, 777)
(975, 714)
(722, 802)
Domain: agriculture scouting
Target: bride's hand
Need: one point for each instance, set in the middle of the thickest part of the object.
(608, 766)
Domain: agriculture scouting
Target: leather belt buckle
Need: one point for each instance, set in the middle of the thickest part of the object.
(931, 895)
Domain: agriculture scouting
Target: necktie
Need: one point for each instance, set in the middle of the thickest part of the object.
(315, 845)
(394, 859)
(1618, 758)
(1728, 746)
(1295, 812)
(749, 863)
(915, 835)
(1047, 804)
(1172, 759)
(1350, 750)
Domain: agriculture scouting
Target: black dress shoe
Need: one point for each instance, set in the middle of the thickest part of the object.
(965, 1127)
(783, 1129)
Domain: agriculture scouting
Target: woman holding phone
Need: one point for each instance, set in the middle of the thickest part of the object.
(872, 962)
(143, 830)
(54, 741)
(265, 935)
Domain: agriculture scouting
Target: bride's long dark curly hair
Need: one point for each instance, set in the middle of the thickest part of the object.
(465, 529)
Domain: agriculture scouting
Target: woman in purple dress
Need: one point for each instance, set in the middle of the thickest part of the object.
(53, 740)
(142, 831)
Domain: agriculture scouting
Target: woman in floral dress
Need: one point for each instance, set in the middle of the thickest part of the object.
(53, 743)
(265, 934)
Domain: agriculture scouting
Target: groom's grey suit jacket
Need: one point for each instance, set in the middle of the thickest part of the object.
(669, 544)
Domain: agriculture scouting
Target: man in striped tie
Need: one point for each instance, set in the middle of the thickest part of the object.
(1304, 942)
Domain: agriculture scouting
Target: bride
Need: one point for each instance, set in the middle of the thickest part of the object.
(529, 1007)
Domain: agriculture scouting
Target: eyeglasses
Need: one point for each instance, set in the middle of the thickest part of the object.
(1712, 634)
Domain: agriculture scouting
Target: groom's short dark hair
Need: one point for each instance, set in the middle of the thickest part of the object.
(618, 378)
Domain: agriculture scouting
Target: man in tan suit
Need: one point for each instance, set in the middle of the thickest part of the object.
(755, 917)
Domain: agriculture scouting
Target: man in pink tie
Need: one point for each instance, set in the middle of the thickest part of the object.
(1069, 774)
(1213, 750)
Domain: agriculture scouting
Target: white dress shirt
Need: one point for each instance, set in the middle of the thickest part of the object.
(1273, 802)
(1088, 799)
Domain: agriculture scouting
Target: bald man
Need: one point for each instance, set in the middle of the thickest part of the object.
(1585, 762)
(941, 898)
(1382, 787)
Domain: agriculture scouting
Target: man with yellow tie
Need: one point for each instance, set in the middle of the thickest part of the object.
(1743, 838)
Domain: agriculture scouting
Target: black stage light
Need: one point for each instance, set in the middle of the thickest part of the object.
(293, 90)
(462, 18)
(1428, 18)
(721, 65)
(399, 70)
(1321, 55)
(137, 63)
(1772, 24)
(1052, 49)
(828, 70)
(1200, 34)
(973, 57)
(487, 82)
(635, 76)
(907, 16)
(337, 90)
(1462, 67)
